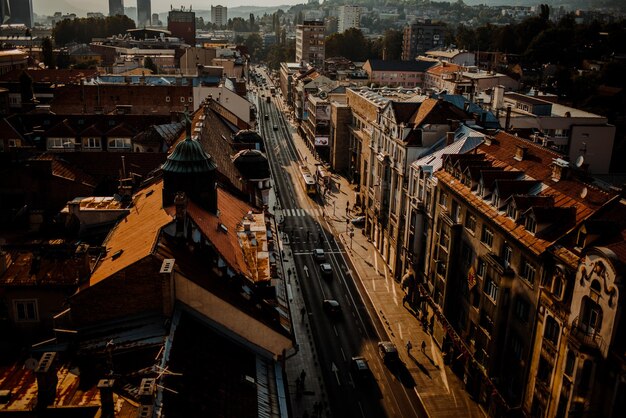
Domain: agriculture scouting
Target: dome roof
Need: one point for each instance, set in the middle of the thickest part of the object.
(189, 157)
(248, 136)
(252, 164)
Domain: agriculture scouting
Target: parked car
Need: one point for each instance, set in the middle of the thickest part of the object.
(388, 352)
(332, 307)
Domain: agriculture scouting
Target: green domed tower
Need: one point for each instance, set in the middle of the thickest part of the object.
(191, 170)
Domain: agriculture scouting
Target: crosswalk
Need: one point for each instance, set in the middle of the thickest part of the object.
(302, 212)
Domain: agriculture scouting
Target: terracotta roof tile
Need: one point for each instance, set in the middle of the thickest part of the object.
(232, 212)
(135, 236)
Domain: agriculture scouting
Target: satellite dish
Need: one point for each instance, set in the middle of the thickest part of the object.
(579, 161)
(31, 363)
(584, 192)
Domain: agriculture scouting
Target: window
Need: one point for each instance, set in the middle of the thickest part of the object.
(25, 310)
(570, 360)
(190, 99)
(119, 143)
(60, 143)
(528, 272)
(482, 268)
(167, 99)
(521, 309)
(455, 212)
(530, 224)
(507, 254)
(557, 288)
(182, 99)
(511, 212)
(487, 236)
(92, 143)
(470, 222)
(552, 330)
(491, 289)
(443, 197)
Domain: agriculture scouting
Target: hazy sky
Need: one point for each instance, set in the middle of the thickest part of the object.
(48, 7)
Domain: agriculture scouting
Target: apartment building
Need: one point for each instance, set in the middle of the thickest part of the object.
(407, 74)
(219, 15)
(421, 36)
(577, 353)
(581, 137)
(498, 214)
(349, 17)
(310, 43)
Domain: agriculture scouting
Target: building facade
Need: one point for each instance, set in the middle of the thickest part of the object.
(182, 24)
(310, 43)
(219, 15)
(576, 350)
(144, 13)
(116, 7)
(498, 213)
(419, 37)
(17, 11)
(349, 17)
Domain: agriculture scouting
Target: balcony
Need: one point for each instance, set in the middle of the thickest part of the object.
(586, 336)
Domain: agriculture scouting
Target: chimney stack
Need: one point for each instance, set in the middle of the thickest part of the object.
(180, 201)
(449, 138)
(46, 380)
(106, 397)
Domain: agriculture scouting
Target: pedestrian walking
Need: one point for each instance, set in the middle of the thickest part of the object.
(302, 312)
(408, 346)
(302, 375)
(424, 347)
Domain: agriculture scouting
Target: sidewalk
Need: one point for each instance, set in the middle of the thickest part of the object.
(441, 391)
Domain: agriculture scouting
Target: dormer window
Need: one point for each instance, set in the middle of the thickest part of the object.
(496, 200)
(530, 224)
(520, 153)
(511, 212)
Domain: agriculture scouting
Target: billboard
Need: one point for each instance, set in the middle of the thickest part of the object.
(321, 141)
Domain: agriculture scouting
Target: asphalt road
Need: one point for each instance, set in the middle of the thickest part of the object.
(387, 391)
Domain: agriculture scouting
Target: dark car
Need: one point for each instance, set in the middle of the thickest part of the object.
(360, 368)
(332, 307)
(318, 253)
(327, 269)
(275, 127)
(388, 352)
(358, 221)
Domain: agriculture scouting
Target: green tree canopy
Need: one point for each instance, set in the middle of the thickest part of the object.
(83, 30)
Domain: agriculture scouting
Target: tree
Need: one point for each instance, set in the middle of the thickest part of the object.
(254, 43)
(47, 52)
(27, 93)
(392, 44)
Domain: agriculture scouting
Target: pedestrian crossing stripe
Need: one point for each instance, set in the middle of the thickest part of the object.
(302, 212)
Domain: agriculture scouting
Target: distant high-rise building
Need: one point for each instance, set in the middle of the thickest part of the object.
(155, 19)
(419, 37)
(17, 11)
(219, 15)
(144, 13)
(310, 43)
(116, 7)
(182, 24)
(349, 17)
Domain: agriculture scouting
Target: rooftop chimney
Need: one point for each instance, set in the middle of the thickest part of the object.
(106, 397)
(180, 201)
(46, 380)
(449, 138)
